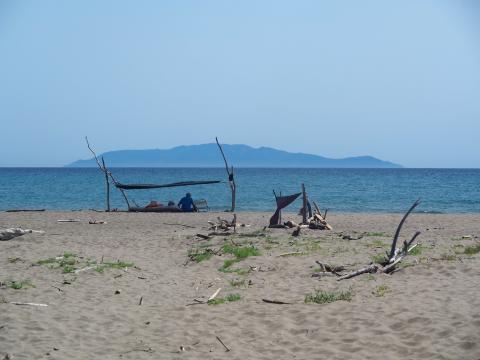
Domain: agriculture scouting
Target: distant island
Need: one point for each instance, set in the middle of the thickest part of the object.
(208, 155)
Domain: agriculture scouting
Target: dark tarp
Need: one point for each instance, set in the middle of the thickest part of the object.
(282, 202)
(154, 186)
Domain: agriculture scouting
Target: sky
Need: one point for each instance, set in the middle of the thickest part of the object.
(398, 80)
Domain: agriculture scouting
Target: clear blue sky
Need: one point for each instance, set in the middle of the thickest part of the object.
(399, 80)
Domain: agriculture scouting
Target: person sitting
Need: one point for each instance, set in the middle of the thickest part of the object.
(186, 203)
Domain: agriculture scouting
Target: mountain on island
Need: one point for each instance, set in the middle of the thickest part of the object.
(208, 155)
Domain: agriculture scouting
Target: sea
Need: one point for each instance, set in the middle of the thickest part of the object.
(339, 190)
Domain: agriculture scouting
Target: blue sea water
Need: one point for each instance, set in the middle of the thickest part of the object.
(340, 190)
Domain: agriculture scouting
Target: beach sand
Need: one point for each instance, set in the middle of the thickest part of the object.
(430, 309)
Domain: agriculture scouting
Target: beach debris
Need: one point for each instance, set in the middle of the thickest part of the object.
(327, 268)
(395, 255)
(97, 222)
(314, 221)
(24, 210)
(10, 233)
(275, 302)
(204, 237)
(27, 304)
(68, 220)
(226, 225)
(221, 342)
(141, 301)
(118, 292)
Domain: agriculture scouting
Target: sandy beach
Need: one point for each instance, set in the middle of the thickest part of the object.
(151, 306)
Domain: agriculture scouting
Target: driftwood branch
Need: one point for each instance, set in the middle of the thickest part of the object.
(399, 228)
(231, 177)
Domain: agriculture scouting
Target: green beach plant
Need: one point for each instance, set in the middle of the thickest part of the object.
(325, 297)
(228, 298)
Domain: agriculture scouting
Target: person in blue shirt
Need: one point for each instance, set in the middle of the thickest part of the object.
(186, 203)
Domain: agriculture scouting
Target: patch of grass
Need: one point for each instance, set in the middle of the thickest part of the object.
(377, 243)
(325, 297)
(241, 252)
(381, 290)
(17, 285)
(379, 259)
(228, 298)
(113, 265)
(448, 257)
(417, 250)
(66, 262)
(472, 249)
(200, 255)
(237, 283)
(373, 234)
(14, 260)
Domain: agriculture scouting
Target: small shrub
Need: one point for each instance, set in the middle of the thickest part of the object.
(324, 297)
(240, 252)
(472, 250)
(379, 259)
(228, 298)
(417, 250)
(114, 265)
(377, 243)
(381, 290)
(200, 255)
(373, 234)
(17, 285)
(237, 283)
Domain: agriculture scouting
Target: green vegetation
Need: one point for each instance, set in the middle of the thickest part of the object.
(237, 283)
(228, 298)
(377, 243)
(324, 297)
(66, 262)
(448, 257)
(113, 265)
(373, 234)
(379, 259)
(69, 263)
(17, 285)
(472, 250)
(417, 250)
(240, 253)
(381, 290)
(14, 260)
(200, 255)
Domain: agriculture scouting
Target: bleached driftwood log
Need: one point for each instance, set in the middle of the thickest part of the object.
(395, 255)
(10, 233)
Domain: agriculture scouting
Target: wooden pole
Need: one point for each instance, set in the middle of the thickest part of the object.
(108, 185)
(304, 212)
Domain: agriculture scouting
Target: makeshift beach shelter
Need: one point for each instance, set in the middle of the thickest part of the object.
(136, 208)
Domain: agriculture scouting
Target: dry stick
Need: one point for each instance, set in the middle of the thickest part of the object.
(28, 304)
(221, 342)
(214, 295)
(204, 237)
(187, 226)
(369, 269)
(317, 208)
(141, 300)
(275, 302)
(397, 233)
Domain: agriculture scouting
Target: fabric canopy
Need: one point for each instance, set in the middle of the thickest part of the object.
(155, 186)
